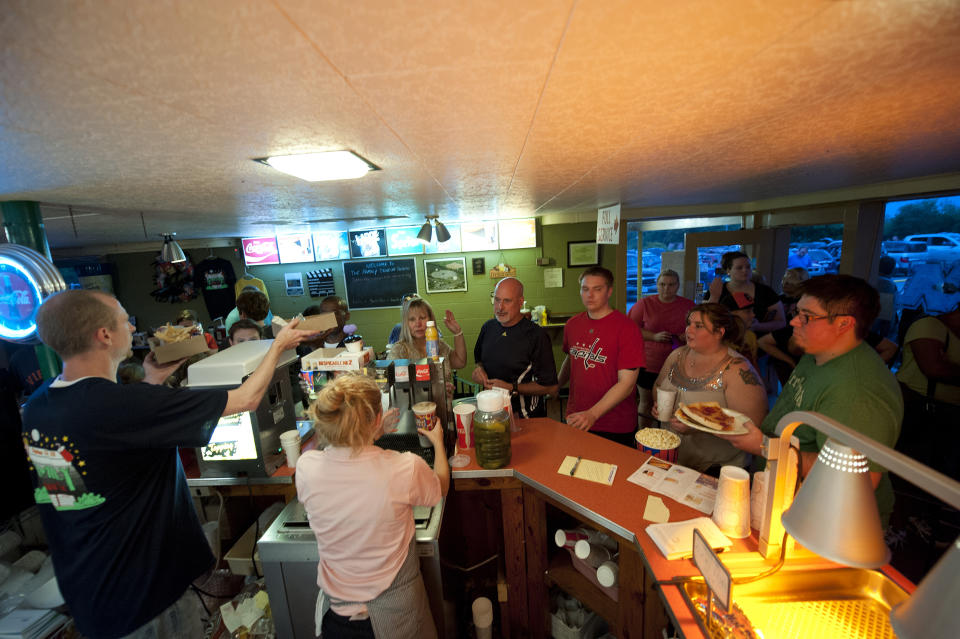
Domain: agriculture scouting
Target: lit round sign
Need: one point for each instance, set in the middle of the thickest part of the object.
(19, 301)
(27, 278)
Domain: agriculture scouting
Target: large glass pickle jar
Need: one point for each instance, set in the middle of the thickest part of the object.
(491, 431)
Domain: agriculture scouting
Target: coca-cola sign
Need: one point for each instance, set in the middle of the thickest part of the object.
(260, 250)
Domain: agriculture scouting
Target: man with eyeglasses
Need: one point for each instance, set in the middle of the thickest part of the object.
(839, 375)
(514, 353)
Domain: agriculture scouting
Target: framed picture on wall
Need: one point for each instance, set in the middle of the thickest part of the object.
(446, 275)
(583, 254)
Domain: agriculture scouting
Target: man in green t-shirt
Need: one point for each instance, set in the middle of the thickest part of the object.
(839, 376)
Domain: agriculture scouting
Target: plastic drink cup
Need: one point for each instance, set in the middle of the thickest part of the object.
(290, 443)
(665, 401)
(423, 415)
(464, 416)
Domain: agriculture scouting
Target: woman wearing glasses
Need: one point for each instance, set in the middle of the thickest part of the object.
(710, 369)
(742, 290)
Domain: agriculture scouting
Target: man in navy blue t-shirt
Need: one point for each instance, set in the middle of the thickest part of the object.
(514, 353)
(125, 540)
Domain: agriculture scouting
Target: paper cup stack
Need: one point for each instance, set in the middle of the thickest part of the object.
(290, 443)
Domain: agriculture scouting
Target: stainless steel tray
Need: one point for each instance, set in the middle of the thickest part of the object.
(839, 602)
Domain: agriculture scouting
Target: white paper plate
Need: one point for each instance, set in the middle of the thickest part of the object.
(739, 424)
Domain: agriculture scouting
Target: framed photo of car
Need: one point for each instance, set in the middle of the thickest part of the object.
(583, 254)
(446, 275)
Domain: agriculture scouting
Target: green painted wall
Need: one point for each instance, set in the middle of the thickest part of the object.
(472, 308)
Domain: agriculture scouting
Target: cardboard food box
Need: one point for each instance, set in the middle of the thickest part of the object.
(177, 350)
(336, 359)
(321, 322)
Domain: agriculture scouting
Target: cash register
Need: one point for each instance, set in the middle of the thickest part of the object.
(247, 443)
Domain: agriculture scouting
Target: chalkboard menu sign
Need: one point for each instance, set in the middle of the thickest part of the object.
(379, 283)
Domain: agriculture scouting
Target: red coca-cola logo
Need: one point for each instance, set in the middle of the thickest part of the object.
(260, 250)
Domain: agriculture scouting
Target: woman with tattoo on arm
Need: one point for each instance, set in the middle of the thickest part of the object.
(709, 368)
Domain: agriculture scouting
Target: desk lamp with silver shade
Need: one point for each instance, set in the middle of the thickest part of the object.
(834, 514)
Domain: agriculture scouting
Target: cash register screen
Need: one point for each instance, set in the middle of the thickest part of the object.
(232, 439)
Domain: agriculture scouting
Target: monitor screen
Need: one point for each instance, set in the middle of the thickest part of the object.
(232, 439)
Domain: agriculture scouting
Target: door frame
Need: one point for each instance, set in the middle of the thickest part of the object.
(767, 247)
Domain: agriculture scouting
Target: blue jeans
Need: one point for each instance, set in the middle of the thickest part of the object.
(184, 619)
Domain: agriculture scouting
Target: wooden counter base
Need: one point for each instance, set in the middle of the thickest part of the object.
(531, 484)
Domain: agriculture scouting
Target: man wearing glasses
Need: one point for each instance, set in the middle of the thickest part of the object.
(514, 353)
(839, 375)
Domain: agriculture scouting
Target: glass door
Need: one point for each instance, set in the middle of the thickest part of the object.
(767, 249)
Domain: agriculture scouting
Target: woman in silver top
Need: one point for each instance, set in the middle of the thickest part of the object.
(709, 368)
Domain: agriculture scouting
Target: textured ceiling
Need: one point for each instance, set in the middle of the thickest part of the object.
(471, 108)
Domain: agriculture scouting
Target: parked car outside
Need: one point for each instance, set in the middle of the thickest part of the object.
(943, 248)
(821, 262)
(905, 254)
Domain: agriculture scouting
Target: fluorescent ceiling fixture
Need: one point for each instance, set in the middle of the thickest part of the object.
(317, 167)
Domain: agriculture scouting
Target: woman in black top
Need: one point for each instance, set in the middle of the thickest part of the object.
(741, 288)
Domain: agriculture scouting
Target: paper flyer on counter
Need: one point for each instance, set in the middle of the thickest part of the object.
(680, 483)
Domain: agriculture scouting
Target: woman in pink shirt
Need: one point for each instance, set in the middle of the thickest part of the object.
(662, 319)
(359, 499)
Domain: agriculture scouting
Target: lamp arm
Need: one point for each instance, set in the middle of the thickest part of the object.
(924, 477)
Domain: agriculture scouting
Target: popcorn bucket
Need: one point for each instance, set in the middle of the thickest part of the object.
(659, 442)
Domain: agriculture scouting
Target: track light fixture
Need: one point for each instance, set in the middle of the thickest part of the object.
(426, 231)
(171, 251)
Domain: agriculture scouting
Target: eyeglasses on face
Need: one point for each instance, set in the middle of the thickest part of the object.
(804, 318)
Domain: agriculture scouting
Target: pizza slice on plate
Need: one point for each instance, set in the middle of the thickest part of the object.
(709, 414)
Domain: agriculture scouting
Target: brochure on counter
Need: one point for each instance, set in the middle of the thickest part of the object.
(680, 483)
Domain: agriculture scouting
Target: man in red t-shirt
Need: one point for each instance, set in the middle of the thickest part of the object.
(604, 354)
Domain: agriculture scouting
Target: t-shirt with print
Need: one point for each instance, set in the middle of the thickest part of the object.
(598, 350)
(857, 390)
(518, 354)
(215, 279)
(360, 508)
(118, 515)
(654, 315)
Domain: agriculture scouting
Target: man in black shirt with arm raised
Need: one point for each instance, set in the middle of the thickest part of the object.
(514, 353)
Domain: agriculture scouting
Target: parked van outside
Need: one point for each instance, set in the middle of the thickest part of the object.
(941, 247)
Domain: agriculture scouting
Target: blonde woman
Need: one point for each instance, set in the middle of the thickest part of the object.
(359, 500)
(413, 342)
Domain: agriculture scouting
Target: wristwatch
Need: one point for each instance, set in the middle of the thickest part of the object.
(516, 390)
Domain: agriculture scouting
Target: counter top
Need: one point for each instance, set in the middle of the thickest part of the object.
(540, 447)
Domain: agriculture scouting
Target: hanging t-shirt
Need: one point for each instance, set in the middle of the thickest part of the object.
(115, 505)
(598, 350)
(244, 282)
(215, 279)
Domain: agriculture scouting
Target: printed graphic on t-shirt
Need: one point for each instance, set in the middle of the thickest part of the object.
(214, 280)
(60, 471)
(591, 355)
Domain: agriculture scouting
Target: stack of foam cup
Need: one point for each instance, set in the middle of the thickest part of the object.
(290, 442)
(483, 617)
(592, 554)
(607, 573)
(731, 511)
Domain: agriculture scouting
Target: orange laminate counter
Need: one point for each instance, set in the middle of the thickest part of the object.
(532, 479)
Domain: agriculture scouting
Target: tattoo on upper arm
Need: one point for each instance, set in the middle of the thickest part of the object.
(749, 377)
